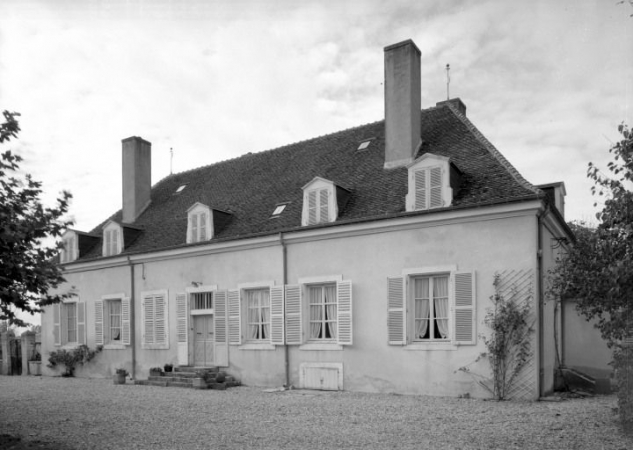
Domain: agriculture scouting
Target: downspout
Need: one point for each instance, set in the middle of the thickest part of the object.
(132, 321)
(541, 328)
(285, 280)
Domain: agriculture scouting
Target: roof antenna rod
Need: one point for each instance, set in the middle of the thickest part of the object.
(171, 160)
(448, 80)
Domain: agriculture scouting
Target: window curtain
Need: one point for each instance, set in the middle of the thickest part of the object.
(316, 312)
(258, 314)
(330, 310)
(440, 302)
(421, 295)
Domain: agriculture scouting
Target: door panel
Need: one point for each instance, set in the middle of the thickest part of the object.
(203, 334)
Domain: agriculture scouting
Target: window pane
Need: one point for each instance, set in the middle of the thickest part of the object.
(113, 315)
(71, 324)
(258, 314)
(323, 311)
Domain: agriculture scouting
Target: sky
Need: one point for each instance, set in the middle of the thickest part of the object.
(546, 82)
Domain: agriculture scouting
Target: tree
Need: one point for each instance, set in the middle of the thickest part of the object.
(29, 269)
(597, 269)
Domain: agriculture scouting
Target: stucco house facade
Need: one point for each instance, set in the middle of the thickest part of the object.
(361, 260)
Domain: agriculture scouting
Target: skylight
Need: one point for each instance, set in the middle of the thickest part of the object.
(181, 188)
(364, 145)
(279, 209)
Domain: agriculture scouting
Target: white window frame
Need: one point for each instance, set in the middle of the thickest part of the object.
(410, 274)
(66, 322)
(314, 344)
(315, 187)
(427, 163)
(108, 344)
(199, 233)
(112, 246)
(145, 296)
(249, 344)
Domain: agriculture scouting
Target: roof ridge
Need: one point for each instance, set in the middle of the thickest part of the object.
(493, 150)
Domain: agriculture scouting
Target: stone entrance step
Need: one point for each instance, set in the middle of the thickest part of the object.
(184, 376)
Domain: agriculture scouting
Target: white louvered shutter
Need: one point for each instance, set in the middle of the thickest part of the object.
(99, 322)
(182, 328)
(277, 315)
(312, 207)
(81, 323)
(57, 324)
(126, 326)
(344, 309)
(148, 321)
(396, 311)
(194, 228)
(323, 206)
(235, 324)
(115, 242)
(435, 187)
(161, 331)
(221, 344)
(420, 189)
(108, 242)
(465, 308)
(294, 332)
(203, 226)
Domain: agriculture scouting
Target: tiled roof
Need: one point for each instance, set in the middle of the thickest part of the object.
(249, 187)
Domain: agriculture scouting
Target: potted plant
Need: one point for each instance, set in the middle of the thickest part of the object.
(119, 376)
(35, 364)
(155, 372)
(168, 367)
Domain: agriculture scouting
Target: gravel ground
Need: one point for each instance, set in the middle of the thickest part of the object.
(74, 413)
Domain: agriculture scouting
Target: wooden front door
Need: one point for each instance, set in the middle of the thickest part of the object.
(203, 340)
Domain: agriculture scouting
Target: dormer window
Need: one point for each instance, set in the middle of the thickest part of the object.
(432, 180)
(322, 201)
(112, 239)
(200, 225)
(69, 251)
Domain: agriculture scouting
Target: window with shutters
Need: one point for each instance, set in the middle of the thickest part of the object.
(319, 313)
(434, 307)
(431, 180)
(155, 320)
(112, 321)
(319, 202)
(112, 239)
(69, 323)
(200, 224)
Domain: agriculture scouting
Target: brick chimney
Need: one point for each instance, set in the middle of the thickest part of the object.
(402, 103)
(137, 177)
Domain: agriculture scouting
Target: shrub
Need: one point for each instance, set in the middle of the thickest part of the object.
(71, 358)
(623, 364)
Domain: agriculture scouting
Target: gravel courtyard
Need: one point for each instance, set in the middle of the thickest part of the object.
(73, 413)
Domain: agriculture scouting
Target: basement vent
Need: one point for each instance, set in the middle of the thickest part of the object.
(321, 376)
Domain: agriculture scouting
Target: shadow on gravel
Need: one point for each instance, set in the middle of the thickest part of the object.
(8, 442)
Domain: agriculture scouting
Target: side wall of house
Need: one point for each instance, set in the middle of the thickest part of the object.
(585, 350)
(366, 258)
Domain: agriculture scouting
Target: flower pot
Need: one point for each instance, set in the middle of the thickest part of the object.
(35, 367)
(119, 378)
